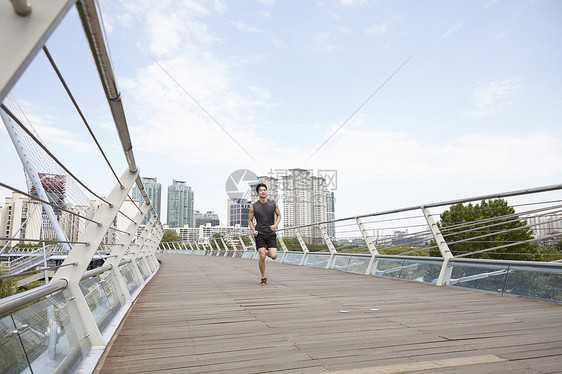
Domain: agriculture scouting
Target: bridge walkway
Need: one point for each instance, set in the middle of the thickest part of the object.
(203, 314)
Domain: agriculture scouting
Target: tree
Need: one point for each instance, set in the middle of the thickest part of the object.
(469, 218)
(7, 285)
(171, 236)
(218, 235)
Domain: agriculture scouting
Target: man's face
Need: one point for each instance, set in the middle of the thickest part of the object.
(262, 192)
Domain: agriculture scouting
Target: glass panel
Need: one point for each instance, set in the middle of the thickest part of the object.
(102, 298)
(151, 265)
(46, 333)
(317, 260)
(386, 267)
(12, 356)
(341, 262)
(127, 273)
(142, 269)
(294, 258)
(322, 260)
(482, 277)
(310, 259)
(544, 284)
(358, 264)
(421, 271)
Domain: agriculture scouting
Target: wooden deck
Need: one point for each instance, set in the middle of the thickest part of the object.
(204, 314)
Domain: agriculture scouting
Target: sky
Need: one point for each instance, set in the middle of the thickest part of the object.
(411, 102)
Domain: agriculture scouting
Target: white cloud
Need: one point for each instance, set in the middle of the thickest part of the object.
(452, 30)
(165, 31)
(377, 30)
(220, 6)
(47, 126)
(345, 30)
(267, 2)
(492, 97)
(324, 42)
(369, 155)
(382, 28)
(241, 26)
(499, 35)
(353, 2)
(334, 15)
(491, 3)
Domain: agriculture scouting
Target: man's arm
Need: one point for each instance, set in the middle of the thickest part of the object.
(278, 214)
(251, 220)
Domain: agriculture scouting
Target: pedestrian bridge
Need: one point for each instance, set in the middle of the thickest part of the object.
(341, 298)
(207, 314)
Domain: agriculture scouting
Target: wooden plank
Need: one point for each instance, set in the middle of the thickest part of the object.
(208, 315)
(426, 365)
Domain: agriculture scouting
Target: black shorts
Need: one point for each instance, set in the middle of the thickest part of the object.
(266, 240)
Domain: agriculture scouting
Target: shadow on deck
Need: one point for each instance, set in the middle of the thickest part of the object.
(203, 314)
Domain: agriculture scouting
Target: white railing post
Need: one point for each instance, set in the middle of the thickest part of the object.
(225, 247)
(303, 246)
(149, 249)
(79, 258)
(284, 246)
(243, 244)
(331, 248)
(197, 245)
(138, 245)
(233, 245)
(255, 255)
(190, 245)
(119, 251)
(370, 246)
(446, 268)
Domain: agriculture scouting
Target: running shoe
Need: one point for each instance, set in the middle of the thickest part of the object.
(263, 281)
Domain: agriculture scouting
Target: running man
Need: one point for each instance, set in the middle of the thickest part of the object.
(264, 210)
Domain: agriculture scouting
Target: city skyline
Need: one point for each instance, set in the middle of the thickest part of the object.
(411, 102)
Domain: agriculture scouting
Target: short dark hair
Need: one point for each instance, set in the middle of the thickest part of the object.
(260, 185)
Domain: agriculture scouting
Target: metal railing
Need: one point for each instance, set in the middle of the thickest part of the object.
(421, 244)
(67, 322)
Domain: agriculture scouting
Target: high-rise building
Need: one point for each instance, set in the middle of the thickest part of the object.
(304, 203)
(545, 225)
(23, 214)
(154, 191)
(180, 205)
(238, 211)
(201, 219)
(331, 214)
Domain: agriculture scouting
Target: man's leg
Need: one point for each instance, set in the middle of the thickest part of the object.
(261, 261)
(272, 253)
